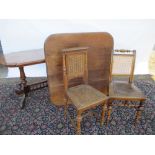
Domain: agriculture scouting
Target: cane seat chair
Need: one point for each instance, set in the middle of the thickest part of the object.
(122, 65)
(82, 96)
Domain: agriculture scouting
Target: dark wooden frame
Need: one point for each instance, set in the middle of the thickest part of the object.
(139, 108)
(76, 51)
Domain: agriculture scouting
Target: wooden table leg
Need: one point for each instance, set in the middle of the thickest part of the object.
(22, 76)
(23, 82)
(24, 88)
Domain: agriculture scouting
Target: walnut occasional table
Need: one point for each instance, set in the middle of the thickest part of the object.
(20, 60)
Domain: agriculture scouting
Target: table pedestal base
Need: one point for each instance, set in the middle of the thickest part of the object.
(24, 88)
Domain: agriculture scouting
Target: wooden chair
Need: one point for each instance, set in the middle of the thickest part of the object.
(82, 96)
(122, 64)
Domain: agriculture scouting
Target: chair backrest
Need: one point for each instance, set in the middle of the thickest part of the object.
(75, 64)
(123, 63)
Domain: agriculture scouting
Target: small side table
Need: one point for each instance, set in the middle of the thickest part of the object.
(20, 60)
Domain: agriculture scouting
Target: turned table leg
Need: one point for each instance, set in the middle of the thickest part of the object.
(22, 76)
(24, 88)
(23, 85)
(23, 82)
(31, 87)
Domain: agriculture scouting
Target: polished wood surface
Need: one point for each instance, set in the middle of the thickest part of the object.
(99, 58)
(23, 58)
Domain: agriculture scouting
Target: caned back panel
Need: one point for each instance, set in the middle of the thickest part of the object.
(122, 64)
(75, 65)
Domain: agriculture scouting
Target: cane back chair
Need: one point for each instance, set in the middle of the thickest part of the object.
(83, 96)
(122, 65)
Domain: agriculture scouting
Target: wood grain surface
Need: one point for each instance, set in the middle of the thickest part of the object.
(99, 58)
(22, 58)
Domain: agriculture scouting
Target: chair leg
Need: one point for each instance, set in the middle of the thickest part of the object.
(79, 123)
(139, 112)
(65, 114)
(125, 103)
(66, 105)
(103, 112)
(109, 111)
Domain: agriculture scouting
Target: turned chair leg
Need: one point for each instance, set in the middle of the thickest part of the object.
(66, 106)
(109, 110)
(138, 112)
(79, 123)
(125, 103)
(103, 112)
(65, 113)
